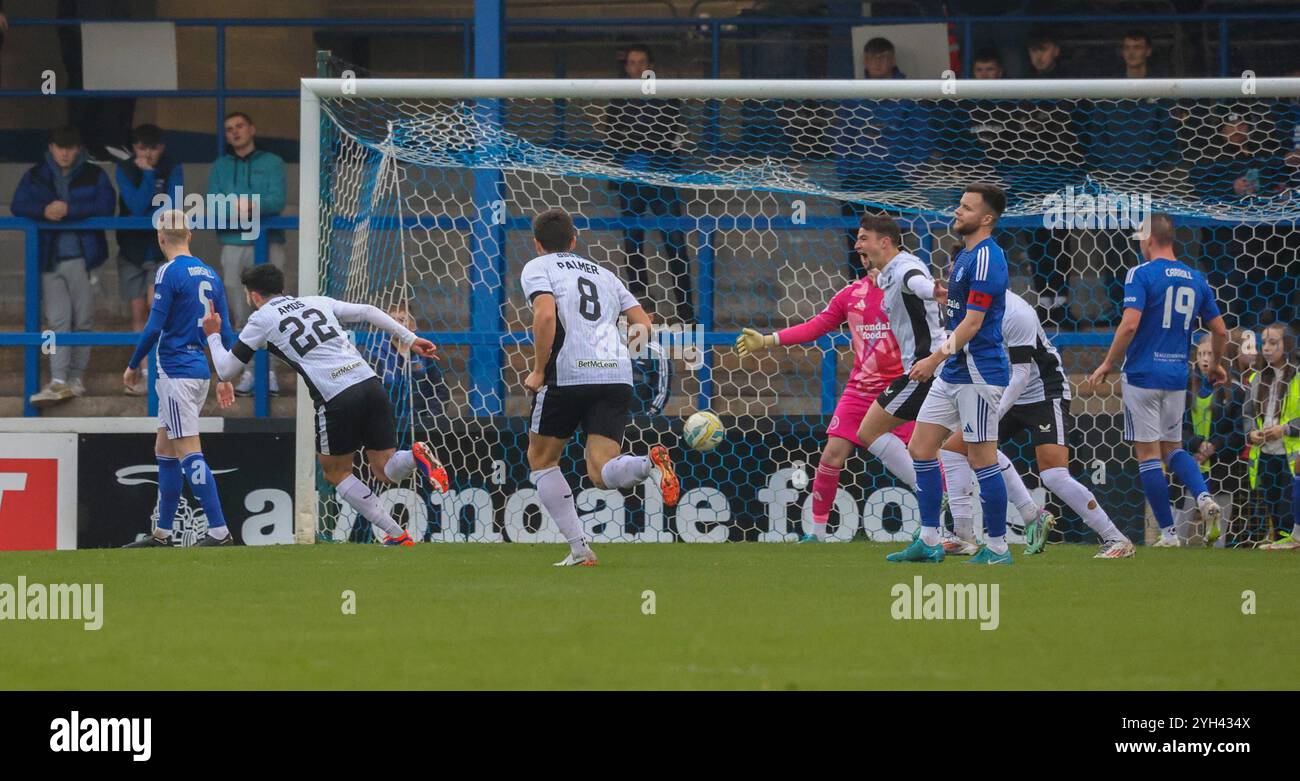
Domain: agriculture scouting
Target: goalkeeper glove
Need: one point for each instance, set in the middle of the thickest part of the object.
(750, 342)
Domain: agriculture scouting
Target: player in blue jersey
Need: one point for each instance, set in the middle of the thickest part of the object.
(965, 395)
(185, 290)
(1163, 300)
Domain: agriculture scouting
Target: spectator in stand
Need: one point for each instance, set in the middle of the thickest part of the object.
(421, 401)
(1234, 166)
(1045, 56)
(879, 61)
(1214, 434)
(1048, 252)
(65, 187)
(987, 65)
(256, 180)
(1135, 53)
(149, 173)
(1273, 418)
(1125, 137)
(874, 142)
(648, 135)
(104, 123)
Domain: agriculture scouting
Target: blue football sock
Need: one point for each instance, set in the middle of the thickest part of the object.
(1188, 473)
(929, 491)
(204, 488)
(170, 483)
(1156, 487)
(993, 499)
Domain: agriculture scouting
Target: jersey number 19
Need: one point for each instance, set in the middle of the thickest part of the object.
(1183, 302)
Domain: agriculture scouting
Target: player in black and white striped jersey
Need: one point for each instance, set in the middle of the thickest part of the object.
(582, 376)
(1036, 400)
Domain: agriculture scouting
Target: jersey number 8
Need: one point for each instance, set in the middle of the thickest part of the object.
(588, 299)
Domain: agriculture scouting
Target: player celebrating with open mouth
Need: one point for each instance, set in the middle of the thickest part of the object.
(352, 407)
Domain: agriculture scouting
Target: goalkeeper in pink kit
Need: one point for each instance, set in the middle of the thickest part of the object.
(877, 363)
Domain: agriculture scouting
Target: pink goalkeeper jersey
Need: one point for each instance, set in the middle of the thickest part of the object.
(877, 361)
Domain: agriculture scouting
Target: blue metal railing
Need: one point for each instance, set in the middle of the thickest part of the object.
(485, 374)
(32, 338)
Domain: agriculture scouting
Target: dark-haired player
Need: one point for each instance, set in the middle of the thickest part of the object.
(352, 407)
(581, 375)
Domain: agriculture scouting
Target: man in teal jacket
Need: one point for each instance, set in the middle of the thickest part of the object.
(253, 180)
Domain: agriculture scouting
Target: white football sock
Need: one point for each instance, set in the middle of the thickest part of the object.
(996, 544)
(818, 529)
(930, 535)
(219, 533)
(400, 466)
(960, 479)
(625, 471)
(557, 497)
(1075, 494)
(364, 501)
(1016, 491)
(893, 454)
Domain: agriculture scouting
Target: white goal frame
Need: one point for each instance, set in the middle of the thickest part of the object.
(312, 90)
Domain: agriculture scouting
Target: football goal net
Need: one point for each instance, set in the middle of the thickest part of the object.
(731, 204)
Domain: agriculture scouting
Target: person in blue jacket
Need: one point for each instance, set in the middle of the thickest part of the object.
(64, 187)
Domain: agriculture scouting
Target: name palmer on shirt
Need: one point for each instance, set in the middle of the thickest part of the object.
(578, 265)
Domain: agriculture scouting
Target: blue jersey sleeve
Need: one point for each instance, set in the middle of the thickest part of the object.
(1135, 291)
(162, 304)
(1209, 307)
(219, 305)
(988, 278)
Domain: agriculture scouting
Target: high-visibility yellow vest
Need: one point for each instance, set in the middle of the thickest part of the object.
(1202, 417)
(1290, 411)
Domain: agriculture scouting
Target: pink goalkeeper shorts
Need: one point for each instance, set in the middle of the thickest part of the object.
(850, 411)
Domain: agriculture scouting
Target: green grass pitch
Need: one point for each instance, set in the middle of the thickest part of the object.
(736, 616)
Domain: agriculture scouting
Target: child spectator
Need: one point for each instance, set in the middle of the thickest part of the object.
(149, 172)
(1273, 413)
(1215, 435)
(420, 401)
(65, 187)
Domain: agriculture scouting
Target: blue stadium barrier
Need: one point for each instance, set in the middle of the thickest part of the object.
(484, 374)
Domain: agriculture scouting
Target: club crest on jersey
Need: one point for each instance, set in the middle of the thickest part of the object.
(961, 272)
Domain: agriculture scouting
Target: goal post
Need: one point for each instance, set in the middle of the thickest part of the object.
(728, 203)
